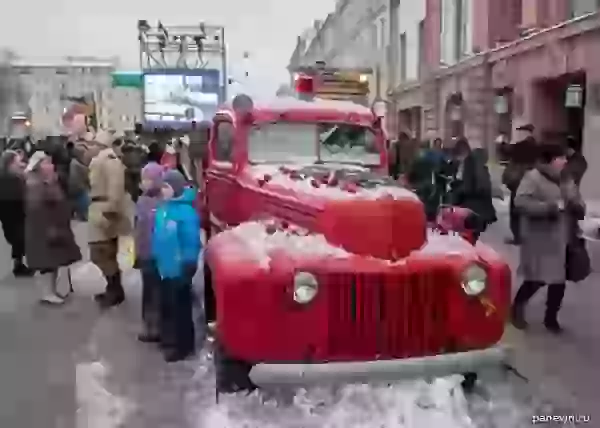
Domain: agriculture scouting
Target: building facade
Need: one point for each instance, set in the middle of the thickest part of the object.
(46, 89)
(490, 66)
(355, 35)
(477, 68)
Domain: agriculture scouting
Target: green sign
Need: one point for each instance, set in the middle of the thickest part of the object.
(127, 79)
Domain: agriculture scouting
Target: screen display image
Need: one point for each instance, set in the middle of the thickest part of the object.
(181, 97)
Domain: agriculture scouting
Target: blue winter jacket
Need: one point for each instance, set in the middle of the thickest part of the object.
(176, 239)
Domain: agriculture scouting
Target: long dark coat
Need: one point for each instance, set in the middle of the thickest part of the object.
(474, 190)
(49, 239)
(12, 210)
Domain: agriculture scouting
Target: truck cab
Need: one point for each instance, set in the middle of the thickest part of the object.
(323, 266)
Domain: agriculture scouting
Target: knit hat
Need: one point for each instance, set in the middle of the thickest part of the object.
(177, 181)
(153, 172)
(35, 160)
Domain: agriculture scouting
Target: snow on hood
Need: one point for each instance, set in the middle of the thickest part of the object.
(260, 243)
(442, 245)
(279, 178)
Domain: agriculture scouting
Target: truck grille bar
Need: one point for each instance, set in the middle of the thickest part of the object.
(393, 315)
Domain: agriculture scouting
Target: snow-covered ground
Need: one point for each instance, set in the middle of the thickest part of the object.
(122, 383)
(188, 389)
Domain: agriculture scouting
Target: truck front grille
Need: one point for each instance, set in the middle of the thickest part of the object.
(386, 315)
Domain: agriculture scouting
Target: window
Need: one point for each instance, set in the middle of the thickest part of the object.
(403, 65)
(312, 142)
(344, 143)
(282, 142)
(225, 139)
(460, 28)
(583, 7)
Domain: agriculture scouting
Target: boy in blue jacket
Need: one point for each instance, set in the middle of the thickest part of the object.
(176, 246)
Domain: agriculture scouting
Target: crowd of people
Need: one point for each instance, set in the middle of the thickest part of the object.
(96, 179)
(545, 207)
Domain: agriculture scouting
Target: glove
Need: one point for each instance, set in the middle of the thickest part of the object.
(553, 211)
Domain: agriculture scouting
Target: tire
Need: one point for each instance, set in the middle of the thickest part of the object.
(232, 375)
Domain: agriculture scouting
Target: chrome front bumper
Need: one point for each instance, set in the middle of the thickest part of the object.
(380, 370)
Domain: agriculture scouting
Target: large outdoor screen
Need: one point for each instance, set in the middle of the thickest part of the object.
(175, 98)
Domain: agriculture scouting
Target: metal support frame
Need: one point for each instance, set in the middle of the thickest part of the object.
(164, 47)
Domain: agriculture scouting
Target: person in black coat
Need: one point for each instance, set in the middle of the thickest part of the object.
(12, 208)
(576, 163)
(472, 187)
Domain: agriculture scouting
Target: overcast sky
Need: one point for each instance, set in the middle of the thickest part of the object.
(265, 28)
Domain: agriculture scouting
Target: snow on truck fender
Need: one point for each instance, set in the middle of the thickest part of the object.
(257, 243)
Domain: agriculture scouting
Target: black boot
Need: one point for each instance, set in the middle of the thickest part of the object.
(100, 297)
(556, 293)
(524, 294)
(20, 269)
(115, 295)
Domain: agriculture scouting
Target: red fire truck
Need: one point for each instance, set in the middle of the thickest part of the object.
(324, 268)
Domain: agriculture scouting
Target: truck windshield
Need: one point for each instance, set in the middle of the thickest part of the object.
(312, 142)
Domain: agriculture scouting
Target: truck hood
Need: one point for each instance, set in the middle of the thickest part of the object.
(356, 209)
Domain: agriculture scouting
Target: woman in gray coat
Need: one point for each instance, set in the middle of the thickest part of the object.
(547, 200)
(49, 240)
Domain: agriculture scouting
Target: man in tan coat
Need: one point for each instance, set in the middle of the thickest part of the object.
(108, 216)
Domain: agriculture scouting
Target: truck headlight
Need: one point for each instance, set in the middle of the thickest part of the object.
(474, 280)
(306, 287)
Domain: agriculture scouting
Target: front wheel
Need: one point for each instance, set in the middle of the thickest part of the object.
(233, 375)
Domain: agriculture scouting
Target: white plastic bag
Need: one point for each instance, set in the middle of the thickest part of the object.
(86, 277)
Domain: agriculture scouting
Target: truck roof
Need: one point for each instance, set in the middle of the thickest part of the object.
(315, 108)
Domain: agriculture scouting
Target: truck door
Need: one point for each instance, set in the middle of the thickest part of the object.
(220, 177)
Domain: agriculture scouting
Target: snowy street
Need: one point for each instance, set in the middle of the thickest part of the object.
(76, 367)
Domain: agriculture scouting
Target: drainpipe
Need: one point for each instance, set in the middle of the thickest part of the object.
(392, 58)
(489, 112)
(378, 83)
